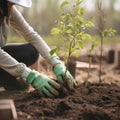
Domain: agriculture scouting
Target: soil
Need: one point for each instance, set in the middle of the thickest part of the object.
(92, 101)
(95, 102)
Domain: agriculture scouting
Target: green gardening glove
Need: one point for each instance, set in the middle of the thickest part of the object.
(46, 85)
(64, 76)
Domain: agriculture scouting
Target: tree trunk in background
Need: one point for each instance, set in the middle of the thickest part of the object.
(111, 6)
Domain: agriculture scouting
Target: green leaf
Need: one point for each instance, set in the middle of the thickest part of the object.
(109, 32)
(90, 24)
(86, 36)
(69, 31)
(80, 11)
(80, 44)
(78, 2)
(55, 31)
(53, 51)
(92, 47)
(64, 3)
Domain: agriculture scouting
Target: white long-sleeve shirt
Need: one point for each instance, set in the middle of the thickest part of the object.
(17, 21)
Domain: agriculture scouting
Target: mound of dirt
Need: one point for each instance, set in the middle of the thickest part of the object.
(92, 102)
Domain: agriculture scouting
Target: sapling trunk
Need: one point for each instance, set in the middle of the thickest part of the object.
(88, 75)
(101, 29)
(71, 44)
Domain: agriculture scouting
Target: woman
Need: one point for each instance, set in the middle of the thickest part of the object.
(15, 59)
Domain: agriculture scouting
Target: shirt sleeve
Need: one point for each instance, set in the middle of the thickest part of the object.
(19, 24)
(10, 65)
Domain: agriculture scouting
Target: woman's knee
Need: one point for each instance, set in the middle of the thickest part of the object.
(32, 55)
(25, 53)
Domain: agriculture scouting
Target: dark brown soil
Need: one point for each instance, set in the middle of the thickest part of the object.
(92, 102)
(95, 102)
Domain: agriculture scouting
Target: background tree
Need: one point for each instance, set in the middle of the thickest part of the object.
(42, 15)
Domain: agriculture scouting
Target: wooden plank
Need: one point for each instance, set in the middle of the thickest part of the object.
(84, 65)
(7, 110)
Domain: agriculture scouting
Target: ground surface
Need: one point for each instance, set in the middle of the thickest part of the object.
(94, 101)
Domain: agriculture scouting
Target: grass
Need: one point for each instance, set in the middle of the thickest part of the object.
(108, 40)
(58, 41)
(16, 39)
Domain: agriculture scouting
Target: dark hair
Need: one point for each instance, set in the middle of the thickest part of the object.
(4, 7)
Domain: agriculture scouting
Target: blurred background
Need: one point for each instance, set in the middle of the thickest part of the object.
(43, 14)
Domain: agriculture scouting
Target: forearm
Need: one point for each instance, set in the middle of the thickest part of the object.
(10, 65)
(20, 25)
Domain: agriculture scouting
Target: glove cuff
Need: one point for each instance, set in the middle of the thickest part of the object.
(55, 62)
(26, 72)
(53, 67)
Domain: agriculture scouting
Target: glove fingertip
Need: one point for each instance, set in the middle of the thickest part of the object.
(71, 86)
(47, 93)
(54, 84)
